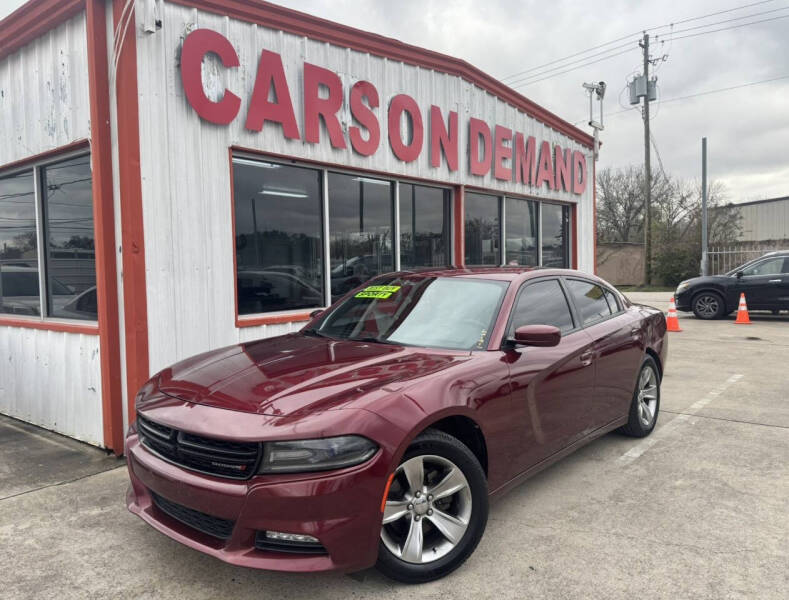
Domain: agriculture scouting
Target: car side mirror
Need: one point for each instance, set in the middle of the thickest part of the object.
(316, 313)
(738, 274)
(544, 336)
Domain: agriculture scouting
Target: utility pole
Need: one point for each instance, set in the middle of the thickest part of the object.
(647, 171)
(704, 241)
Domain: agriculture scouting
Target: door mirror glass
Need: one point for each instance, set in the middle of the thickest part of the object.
(538, 335)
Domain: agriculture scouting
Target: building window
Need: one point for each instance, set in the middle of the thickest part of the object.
(279, 237)
(63, 231)
(482, 229)
(521, 227)
(361, 223)
(555, 222)
(425, 239)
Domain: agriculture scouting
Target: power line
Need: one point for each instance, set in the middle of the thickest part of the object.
(696, 95)
(690, 35)
(759, 14)
(573, 68)
(636, 33)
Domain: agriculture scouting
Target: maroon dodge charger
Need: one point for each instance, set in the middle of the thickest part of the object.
(378, 433)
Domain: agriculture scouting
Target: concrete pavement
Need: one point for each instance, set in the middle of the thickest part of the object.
(700, 509)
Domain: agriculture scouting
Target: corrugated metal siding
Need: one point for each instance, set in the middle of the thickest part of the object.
(49, 378)
(186, 179)
(765, 221)
(52, 379)
(44, 93)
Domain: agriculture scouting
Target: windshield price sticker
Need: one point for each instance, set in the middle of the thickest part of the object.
(381, 292)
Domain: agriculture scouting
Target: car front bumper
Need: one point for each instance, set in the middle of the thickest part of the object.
(342, 509)
(682, 300)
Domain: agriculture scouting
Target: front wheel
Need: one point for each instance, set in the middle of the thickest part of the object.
(708, 305)
(646, 401)
(435, 512)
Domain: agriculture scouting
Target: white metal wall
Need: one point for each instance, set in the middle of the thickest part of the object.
(763, 221)
(186, 177)
(49, 378)
(44, 93)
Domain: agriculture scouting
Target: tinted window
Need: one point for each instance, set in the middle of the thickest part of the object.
(360, 230)
(18, 244)
(71, 256)
(521, 231)
(482, 229)
(424, 226)
(279, 236)
(773, 266)
(589, 300)
(613, 302)
(542, 303)
(555, 227)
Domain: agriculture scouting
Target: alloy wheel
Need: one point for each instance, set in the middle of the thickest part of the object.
(428, 509)
(707, 306)
(647, 396)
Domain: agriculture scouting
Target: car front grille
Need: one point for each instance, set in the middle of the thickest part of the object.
(213, 526)
(223, 458)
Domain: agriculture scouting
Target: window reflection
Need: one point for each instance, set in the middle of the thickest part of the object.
(18, 246)
(278, 237)
(68, 227)
(555, 228)
(521, 232)
(424, 226)
(482, 229)
(360, 230)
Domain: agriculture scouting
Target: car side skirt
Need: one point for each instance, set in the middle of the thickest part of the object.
(545, 463)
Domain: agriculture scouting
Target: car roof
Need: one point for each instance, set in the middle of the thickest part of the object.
(508, 273)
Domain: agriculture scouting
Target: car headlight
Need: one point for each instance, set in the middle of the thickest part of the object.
(316, 455)
(683, 285)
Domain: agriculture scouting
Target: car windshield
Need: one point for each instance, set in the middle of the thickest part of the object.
(442, 312)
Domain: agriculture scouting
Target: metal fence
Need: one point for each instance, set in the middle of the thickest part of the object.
(723, 259)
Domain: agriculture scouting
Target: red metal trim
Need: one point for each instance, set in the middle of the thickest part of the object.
(303, 24)
(34, 19)
(458, 214)
(296, 317)
(135, 305)
(104, 228)
(43, 156)
(48, 325)
(577, 229)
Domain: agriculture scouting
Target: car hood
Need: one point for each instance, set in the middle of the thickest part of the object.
(293, 373)
(719, 279)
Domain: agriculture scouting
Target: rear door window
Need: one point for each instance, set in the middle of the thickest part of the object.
(590, 300)
(542, 303)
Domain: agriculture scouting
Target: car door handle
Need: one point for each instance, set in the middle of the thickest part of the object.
(775, 281)
(586, 358)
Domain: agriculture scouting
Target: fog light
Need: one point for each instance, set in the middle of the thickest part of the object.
(291, 537)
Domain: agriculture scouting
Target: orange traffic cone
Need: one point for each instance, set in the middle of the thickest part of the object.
(742, 312)
(672, 320)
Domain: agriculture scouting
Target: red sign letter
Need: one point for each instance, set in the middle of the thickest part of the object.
(524, 159)
(561, 162)
(271, 74)
(316, 107)
(196, 45)
(402, 103)
(502, 134)
(544, 167)
(365, 117)
(440, 139)
(477, 128)
(579, 168)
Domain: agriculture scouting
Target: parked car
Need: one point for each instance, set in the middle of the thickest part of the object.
(377, 433)
(764, 281)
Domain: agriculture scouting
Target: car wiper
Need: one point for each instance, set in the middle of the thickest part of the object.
(370, 338)
(317, 333)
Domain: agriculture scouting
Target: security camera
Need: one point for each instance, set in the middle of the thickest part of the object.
(600, 90)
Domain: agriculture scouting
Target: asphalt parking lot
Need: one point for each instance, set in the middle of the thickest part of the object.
(700, 509)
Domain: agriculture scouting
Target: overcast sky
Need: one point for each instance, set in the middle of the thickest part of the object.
(747, 128)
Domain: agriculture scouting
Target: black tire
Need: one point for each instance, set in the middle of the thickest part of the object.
(636, 427)
(437, 443)
(708, 306)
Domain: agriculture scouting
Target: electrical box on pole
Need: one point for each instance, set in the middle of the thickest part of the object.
(639, 88)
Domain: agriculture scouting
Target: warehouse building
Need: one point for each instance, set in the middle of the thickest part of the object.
(181, 175)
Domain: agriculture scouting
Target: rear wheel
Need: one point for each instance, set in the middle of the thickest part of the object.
(708, 305)
(435, 512)
(646, 401)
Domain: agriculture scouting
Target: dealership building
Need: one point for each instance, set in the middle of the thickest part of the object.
(181, 175)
